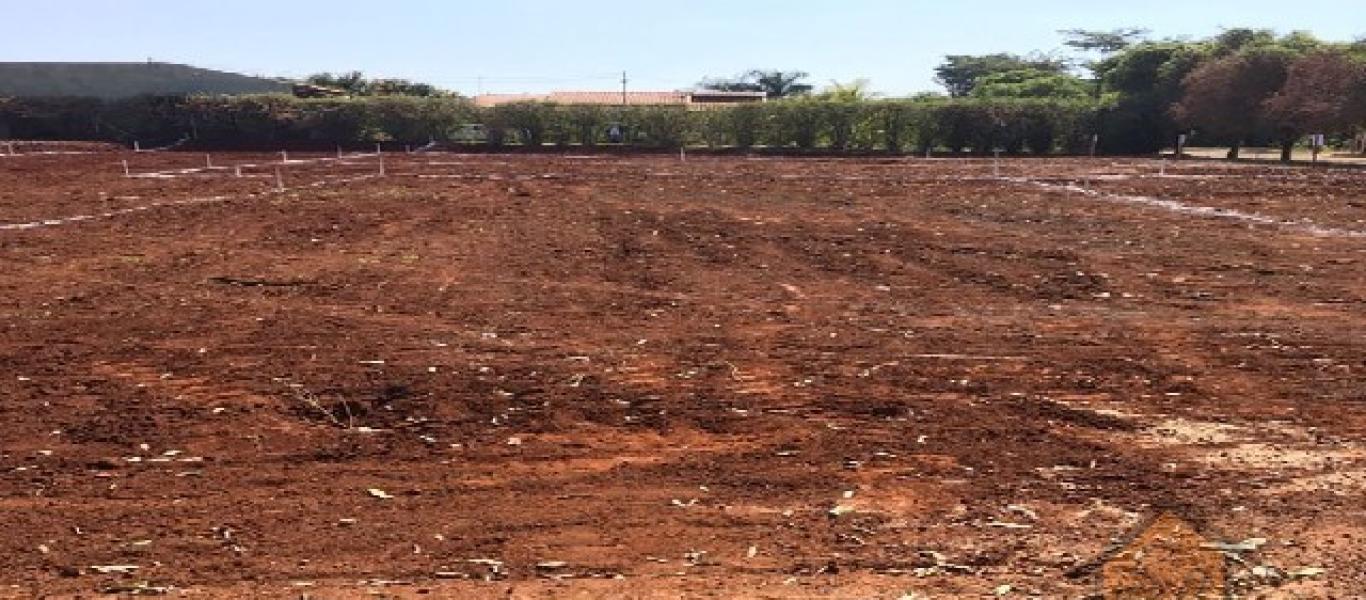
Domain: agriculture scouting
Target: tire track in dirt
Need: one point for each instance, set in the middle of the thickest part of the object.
(75, 219)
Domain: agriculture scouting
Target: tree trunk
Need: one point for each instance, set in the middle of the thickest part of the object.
(1235, 150)
(1287, 149)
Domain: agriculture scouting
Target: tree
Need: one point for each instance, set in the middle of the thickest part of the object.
(779, 84)
(1301, 42)
(355, 83)
(528, 120)
(1226, 96)
(1032, 83)
(1231, 41)
(402, 87)
(738, 84)
(852, 91)
(660, 126)
(959, 73)
(587, 122)
(893, 119)
(796, 122)
(1324, 92)
(1104, 42)
(1140, 84)
(776, 84)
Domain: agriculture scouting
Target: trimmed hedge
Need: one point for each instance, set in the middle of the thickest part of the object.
(981, 126)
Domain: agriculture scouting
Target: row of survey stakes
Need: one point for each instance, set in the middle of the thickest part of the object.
(1317, 143)
(279, 173)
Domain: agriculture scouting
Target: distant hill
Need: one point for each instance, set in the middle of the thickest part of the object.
(122, 80)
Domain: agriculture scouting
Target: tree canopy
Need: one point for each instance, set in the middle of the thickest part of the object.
(774, 83)
(960, 73)
(1104, 42)
(1237, 87)
(355, 83)
(852, 91)
(1324, 91)
(1032, 83)
(1226, 95)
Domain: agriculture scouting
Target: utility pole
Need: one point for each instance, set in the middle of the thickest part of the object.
(624, 80)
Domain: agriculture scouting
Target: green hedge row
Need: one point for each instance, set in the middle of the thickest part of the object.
(895, 126)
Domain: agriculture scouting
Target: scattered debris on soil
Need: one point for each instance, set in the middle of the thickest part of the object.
(544, 376)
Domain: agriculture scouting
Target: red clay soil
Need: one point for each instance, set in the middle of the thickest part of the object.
(561, 377)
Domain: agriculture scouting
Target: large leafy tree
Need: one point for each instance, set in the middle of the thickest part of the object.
(1095, 45)
(1324, 92)
(1226, 96)
(960, 73)
(1140, 84)
(1032, 83)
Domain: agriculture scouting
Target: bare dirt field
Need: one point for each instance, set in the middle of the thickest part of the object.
(590, 377)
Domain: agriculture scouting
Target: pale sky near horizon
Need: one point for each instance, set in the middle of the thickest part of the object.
(540, 45)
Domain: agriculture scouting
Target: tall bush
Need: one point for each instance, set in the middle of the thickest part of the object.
(586, 122)
(1038, 126)
(796, 122)
(842, 119)
(659, 126)
(712, 127)
(746, 124)
(529, 121)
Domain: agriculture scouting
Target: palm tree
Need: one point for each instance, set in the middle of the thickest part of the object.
(780, 84)
(848, 92)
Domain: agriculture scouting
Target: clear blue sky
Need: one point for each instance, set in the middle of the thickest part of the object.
(537, 45)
